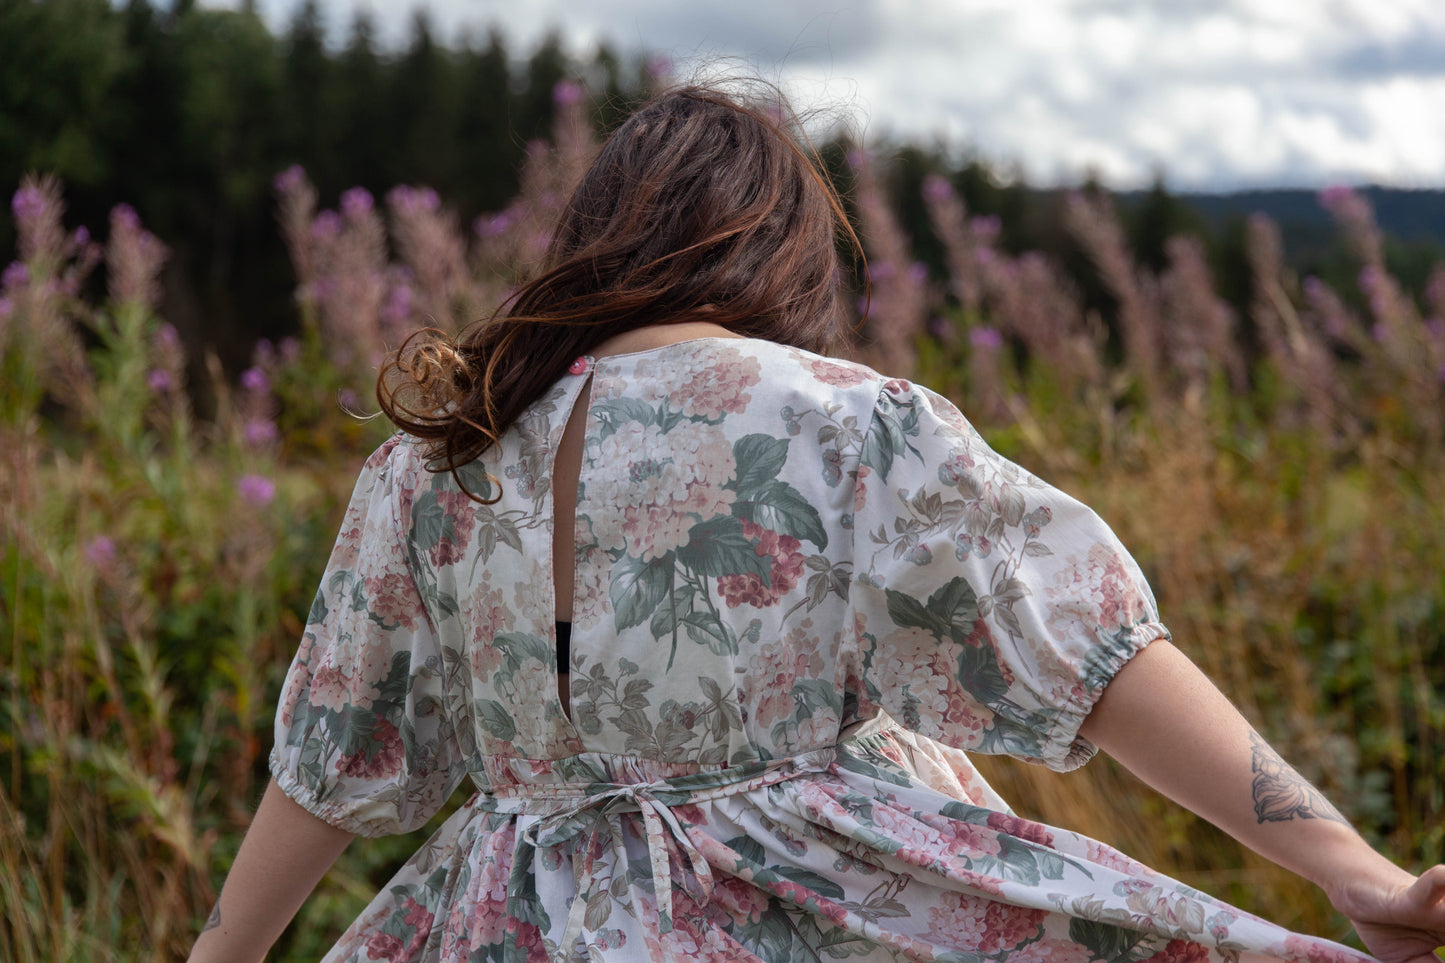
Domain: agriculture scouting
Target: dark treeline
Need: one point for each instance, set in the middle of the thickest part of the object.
(188, 113)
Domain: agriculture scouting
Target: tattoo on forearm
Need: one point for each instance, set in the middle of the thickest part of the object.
(1280, 793)
(214, 920)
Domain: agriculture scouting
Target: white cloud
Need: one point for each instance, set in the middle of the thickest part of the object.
(1215, 92)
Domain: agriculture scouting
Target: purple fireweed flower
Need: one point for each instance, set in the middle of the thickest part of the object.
(855, 158)
(16, 275)
(260, 432)
(1436, 327)
(357, 203)
(348, 399)
(566, 93)
(167, 336)
(398, 304)
(28, 203)
(326, 226)
(918, 272)
(254, 379)
(160, 381)
(100, 551)
(1335, 195)
(256, 489)
(658, 68)
(494, 225)
(985, 337)
(289, 180)
(290, 350)
(986, 227)
(881, 270)
(1370, 277)
(936, 188)
(81, 236)
(409, 200)
(1379, 333)
(124, 216)
(6, 306)
(939, 327)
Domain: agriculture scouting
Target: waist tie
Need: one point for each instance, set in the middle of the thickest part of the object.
(564, 811)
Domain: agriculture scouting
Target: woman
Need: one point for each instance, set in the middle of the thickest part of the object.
(795, 591)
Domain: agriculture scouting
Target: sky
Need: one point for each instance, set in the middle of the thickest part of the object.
(1210, 94)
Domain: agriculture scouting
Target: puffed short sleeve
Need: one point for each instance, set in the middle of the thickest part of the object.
(990, 609)
(362, 740)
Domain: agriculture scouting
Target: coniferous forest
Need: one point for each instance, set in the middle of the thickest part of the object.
(215, 231)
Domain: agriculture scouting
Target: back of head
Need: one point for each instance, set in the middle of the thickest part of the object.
(703, 205)
(700, 203)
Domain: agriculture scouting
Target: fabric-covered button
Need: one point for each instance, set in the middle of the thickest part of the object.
(578, 367)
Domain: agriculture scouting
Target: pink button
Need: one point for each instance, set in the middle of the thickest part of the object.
(578, 367)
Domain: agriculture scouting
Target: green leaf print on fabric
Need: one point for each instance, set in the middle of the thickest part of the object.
(1109, 944)
(496, 720)
(718, 546)
(637, 587)
(760, 458)
(782, 508)
(950, 613)
(616, 411)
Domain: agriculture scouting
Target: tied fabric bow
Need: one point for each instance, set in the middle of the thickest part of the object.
(665, 835)
(592, 809)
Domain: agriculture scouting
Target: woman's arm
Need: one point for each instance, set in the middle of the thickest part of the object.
(1168, 724)
(285, 853)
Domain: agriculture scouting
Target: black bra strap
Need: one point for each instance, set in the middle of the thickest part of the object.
(564, 646)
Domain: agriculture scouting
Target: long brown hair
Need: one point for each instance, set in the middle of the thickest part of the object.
(704, 205)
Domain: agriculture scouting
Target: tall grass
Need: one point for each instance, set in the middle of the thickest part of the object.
(1288, 502)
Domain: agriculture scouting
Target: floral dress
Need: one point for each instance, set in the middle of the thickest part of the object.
(802, 593)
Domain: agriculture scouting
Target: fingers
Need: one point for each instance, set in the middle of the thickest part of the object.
(1429, 889)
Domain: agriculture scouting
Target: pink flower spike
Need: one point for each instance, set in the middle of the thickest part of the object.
(28, 203)
(16, 275)
(985, 338)
(566, 93)
(100, 552)
(291, 179)
(160, 381)
(125, 217)
(256, 489)
(937, 188)
(326, 226)
(356, 203)
(260, 432)
(254, 379)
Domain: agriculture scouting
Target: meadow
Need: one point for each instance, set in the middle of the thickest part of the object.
(1279, 473)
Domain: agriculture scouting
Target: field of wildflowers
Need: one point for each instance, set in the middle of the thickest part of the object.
(1281, 477)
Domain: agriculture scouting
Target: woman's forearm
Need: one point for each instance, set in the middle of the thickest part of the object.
(1168, 724)
(285, 853)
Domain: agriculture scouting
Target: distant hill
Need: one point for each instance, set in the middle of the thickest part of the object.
(1411, 216)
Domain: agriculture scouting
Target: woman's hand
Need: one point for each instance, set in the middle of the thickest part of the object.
(1402, 923)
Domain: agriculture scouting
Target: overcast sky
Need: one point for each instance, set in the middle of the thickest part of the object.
(1216, 94)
